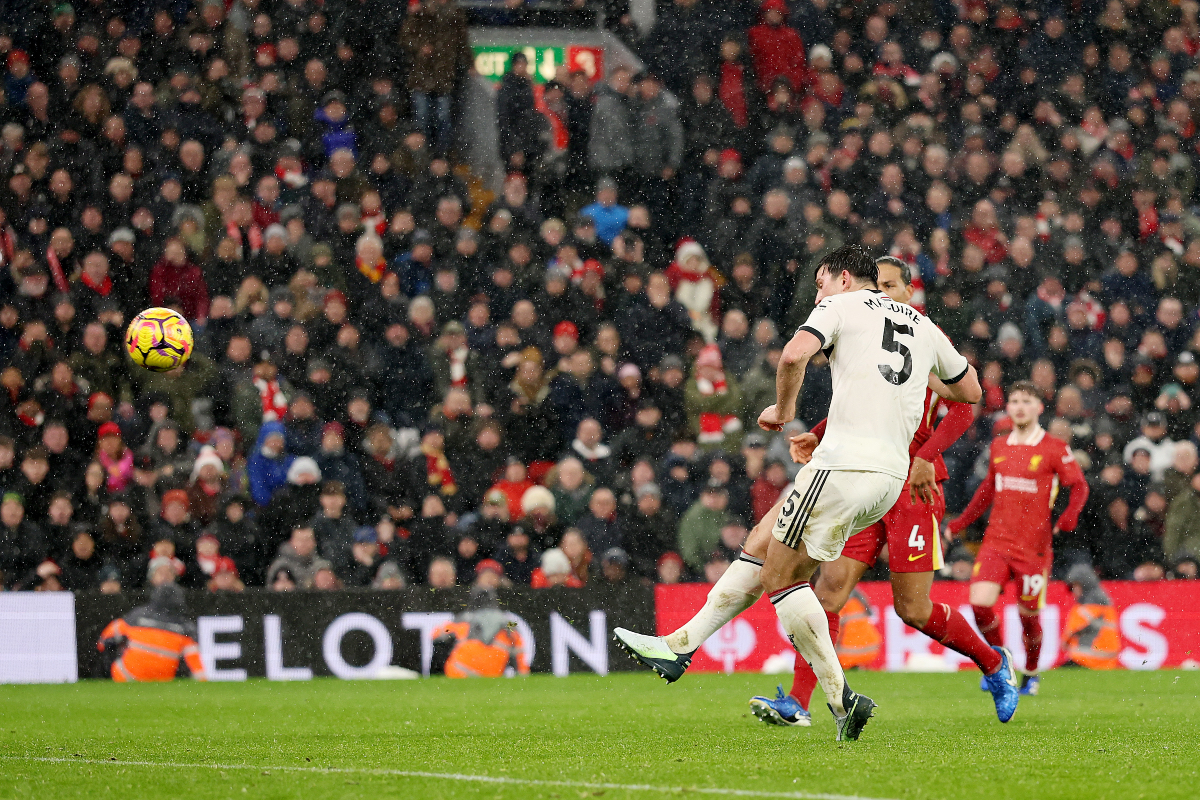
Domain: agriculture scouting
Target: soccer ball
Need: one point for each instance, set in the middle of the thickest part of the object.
(159, 339)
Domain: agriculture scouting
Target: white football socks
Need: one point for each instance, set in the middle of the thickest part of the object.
(738, 589)
(804, 619)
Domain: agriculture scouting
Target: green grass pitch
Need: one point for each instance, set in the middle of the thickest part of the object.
(1089, 735)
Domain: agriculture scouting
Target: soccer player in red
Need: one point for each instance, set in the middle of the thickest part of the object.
(1026, 468)
(910, 531)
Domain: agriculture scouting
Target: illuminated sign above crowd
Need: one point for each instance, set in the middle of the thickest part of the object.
(492, 61)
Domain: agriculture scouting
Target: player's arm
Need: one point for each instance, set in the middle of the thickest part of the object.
(982, 500)
(960, 382)
(802, 445)
(922, 477)
(789, 378)
(1071, 477)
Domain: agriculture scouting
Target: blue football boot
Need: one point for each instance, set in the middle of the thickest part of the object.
(1003, 685)
(783, 710)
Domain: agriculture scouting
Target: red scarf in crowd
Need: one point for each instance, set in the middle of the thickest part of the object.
(102, 288)
(274, 402)
(56, 270)
(439, 472)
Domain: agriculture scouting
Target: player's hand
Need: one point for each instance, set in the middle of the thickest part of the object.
(771, 420)
(922, 481)
(801, 447)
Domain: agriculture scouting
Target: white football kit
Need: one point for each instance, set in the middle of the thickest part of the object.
(880, 355)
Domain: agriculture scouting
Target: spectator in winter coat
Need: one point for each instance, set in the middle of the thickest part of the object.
(1182, 537)
(268, 465)
(611, 141)
(695, 282)
(174, 276)
(714, 402)
(653, 530)
(521, 124)
(609, 215)
(434, 38)
(22, 545)
(600, 526)
(700, 527)
(777, 49)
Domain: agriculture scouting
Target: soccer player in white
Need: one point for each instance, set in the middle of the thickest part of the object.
(880, 354)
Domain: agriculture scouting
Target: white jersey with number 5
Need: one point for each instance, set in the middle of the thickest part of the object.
(880, 353)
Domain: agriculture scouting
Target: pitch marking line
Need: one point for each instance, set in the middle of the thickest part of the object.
(449, 776)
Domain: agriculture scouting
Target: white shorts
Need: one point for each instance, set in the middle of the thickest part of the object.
(827, 507)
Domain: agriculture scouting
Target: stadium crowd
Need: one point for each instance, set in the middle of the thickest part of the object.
(399, 379)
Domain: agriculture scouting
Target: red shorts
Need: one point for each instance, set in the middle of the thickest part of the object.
(911, 533)
(1030, 574)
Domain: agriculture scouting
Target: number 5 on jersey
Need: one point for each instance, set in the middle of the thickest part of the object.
(890, 329)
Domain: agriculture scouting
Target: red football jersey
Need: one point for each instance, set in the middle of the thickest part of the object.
(1021, 485)
(933, 402)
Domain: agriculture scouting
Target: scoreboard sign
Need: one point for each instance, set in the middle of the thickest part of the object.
(492, 61)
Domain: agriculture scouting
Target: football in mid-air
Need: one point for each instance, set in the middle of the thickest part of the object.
(159, 339)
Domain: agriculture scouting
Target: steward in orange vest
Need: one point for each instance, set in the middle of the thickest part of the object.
(1091, 637)
(858, 639)
(148, 643)
(480, 643)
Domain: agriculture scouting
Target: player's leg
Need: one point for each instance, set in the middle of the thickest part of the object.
(833, 585)
(1029, 605)
(833, 506)
(735, 591)
(834, 582)
(987, 582)
(785, 577)
(914, 553)
(939, 621)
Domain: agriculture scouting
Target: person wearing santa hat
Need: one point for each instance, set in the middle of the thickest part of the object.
(694, 283)
(713, 400)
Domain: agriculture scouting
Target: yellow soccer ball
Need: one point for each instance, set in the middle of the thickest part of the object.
(159, 339)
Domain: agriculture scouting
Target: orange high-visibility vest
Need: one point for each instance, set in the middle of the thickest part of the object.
(472, 658)
(1091, 636)
(151, 654)
(858, 639)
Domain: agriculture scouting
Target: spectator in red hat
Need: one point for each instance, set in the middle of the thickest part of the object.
(175, 522)
(225, 577)
(713, 402)
(489, 574)
(670, 568)
(115, 457)
(19, 78)
(566, 340)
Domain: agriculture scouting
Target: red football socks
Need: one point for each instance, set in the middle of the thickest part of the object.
(989, 625)
(804, 680)
(1032, 626)
(951, 629)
